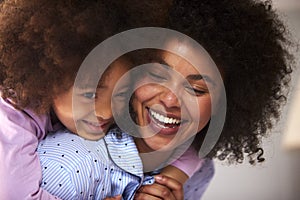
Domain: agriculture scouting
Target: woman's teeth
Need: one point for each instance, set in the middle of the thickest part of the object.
(163, 119)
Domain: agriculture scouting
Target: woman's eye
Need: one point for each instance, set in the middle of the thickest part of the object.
(156, 76)
(90, 95)
(195, 91)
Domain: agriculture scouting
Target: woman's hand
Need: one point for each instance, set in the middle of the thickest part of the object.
(164, 188)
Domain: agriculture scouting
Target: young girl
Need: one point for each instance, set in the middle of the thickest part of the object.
(41, 52)
(42, 46)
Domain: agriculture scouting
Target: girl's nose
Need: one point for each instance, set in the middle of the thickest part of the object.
(103, 110)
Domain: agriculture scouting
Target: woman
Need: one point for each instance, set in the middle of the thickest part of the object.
(248, 43)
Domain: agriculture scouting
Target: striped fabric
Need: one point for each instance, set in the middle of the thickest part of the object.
(75, 168)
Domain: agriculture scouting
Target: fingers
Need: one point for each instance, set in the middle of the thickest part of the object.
(145, 196)
(172, 184)
(154, 192)
(164, 188)
(118, 197)
(169, 182)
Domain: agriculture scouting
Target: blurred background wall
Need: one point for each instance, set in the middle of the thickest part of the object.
(278, 178)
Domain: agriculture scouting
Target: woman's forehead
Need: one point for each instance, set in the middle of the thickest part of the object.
(201, 65)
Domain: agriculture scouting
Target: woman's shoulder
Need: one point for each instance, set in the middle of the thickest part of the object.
(195, 187)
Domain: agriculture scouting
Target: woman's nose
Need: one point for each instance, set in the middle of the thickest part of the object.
(169, 98)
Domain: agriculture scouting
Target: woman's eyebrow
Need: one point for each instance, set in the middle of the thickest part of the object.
(196, 77)
(163, 63)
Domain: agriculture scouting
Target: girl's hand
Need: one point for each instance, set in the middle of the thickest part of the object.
(164, 188)
(118, 197)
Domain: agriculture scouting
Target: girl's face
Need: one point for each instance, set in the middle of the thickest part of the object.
(173, 101)
(90, 116)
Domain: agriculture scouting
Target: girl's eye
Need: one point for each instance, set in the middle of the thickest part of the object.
(123, 91)
(90, 95)
(121, 94)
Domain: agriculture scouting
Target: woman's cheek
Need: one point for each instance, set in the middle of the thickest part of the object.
(145, 92)
(205, 112)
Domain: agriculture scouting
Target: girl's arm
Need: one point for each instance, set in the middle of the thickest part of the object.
(20, 169)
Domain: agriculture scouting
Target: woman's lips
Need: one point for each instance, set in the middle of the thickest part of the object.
(165, 125)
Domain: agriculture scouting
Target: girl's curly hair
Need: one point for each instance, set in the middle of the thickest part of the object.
(43, 43)
(249, 43)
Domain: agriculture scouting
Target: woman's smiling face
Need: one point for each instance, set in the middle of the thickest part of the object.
(172, 102)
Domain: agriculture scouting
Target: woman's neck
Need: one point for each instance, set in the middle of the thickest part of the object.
(152, 159)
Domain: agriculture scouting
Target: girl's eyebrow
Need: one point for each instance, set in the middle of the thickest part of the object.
(102, 86)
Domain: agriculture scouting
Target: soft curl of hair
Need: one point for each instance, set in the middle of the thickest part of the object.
(249, 43)
(43, 43)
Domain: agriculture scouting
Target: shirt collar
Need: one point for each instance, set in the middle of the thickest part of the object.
(123, 151)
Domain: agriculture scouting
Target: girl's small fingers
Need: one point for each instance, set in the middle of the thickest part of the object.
(158, 191)
(145, 196)
(118, 197)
